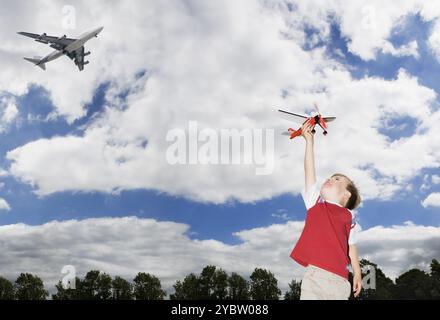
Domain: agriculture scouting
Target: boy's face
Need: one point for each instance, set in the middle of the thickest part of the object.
(334, 189)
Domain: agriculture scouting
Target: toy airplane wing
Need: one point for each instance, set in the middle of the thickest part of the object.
(292, 116)
(329, 119)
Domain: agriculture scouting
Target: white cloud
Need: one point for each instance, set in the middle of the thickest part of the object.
(435, 179)
(125, 246)
(366, 24)
(410, 49)
(3, 172)
(433, 200)
(281, 214)
(8, 112)
(434, 39)
(225, 65)
(425, 185)
(4, 205)
(110, 156)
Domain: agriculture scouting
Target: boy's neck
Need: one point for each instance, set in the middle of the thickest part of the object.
(333, 202)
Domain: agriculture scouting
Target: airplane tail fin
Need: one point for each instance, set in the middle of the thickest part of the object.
(36, 61)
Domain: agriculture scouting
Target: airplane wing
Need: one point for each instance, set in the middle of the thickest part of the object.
(328, 119)
(292, 116)
(58, 43)
(78, 57)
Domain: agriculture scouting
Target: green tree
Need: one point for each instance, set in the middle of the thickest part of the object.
(206, 282)
(213, 283)
(238, 287)
(435, 279)
(6, 289)
(220, 285)
(294, 292)
(29, 287)
(147, 287)
(96, 286)
(264, 285)
(188, 289)
(413, 284)
(435, 270)
(68, 294)
(122, 289)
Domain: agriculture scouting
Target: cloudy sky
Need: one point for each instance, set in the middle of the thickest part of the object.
(84, 176)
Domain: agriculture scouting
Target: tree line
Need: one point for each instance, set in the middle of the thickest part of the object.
(214, 283)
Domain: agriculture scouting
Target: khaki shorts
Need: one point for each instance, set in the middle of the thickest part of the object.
(319, 284)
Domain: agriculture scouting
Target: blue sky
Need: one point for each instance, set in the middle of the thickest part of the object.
(210, 221)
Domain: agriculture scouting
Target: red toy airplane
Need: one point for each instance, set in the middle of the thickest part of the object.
(314, 120)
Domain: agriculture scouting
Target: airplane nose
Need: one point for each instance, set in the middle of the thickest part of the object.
(99, 30)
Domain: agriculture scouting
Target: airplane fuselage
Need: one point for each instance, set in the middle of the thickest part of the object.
(317, 119)
(52, 56)
(83, 39)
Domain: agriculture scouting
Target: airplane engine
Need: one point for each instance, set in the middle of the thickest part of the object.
(62, 38)
(87, 53)
(40, 39)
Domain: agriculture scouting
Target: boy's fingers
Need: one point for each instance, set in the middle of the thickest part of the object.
(357, 289)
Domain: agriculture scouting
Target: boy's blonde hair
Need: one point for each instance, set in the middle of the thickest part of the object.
(355, 199)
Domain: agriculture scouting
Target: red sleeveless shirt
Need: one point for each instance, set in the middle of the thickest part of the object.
(324, 240)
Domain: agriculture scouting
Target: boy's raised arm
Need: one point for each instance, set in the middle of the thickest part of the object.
(309, 158)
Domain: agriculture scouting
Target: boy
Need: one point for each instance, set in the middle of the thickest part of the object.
(327, 245)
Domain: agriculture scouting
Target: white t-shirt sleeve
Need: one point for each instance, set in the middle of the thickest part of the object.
(311, 195)
(355, 227)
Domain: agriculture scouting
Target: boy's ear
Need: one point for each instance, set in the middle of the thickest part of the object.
(347, 195)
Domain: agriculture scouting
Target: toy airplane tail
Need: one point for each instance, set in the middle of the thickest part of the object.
(37, 61)
(292, 133)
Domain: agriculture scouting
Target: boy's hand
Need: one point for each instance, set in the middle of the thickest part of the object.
(357, 285)
(306, 131)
